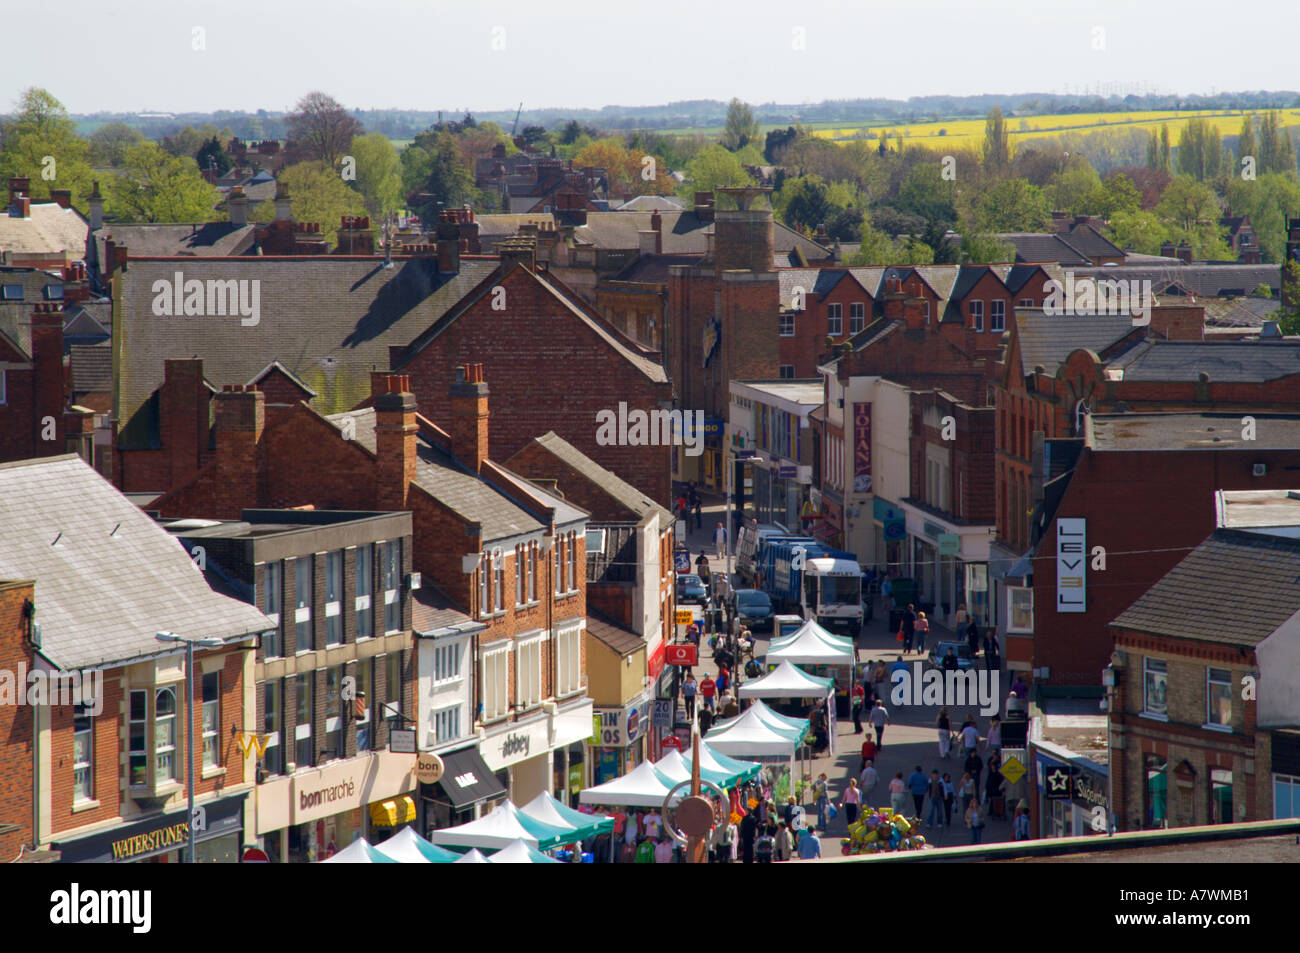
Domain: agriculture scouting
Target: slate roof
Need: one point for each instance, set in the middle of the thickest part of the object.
(1049, 339)
(621, 640)
(1238, 361)
(1217, 281)
(204, 239)
(615, 487)
(1126, 432)
(49, 229)
(1236, 588)
(92, 368)
(432, 609)
(566, 513)
(652, 269)
(1043, 247)
(647, 203)
(451, 484)
(328, 320)
(114, 578)
(1092, 243)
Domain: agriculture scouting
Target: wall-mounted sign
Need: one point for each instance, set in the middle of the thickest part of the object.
(862, 448)
(401, 740)
(682, 654)
(428, 768)
(1071, 565)
(949, 544)
(683, 617)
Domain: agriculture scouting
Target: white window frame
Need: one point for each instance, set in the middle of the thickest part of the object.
(519, 575)
(447, 662)
(857, 316)
(210, 735)
(302, 613)
(997, 315)
(495, 684)
(450, 718)
(528, 672)
(392, 551)
(834, 319)
(484, 586)
(532, 573)
(1210, 723)
(785, 325)
(559, 565)
(568, 661)
(781, 371)
(141, 752)
(365, 559)
(173, 748)
(499, 583)
(1025, 303)
(83, 772)
(1011, 615)
(1147, 666)
(977, 315)
(573, 564)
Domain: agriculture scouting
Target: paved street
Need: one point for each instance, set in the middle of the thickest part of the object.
(909, 740)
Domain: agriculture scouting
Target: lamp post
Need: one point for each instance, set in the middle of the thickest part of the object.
(208, 643)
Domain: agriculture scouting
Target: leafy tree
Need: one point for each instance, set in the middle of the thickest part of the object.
(212, 155)
(893, 223)
(188, 141)
(1289, 313)
(1166, 163)
(1262, 290)
(927, 194)
(109, 142)
(714, 168)
(156, 187)
(611, 155)
(1246, 145)
(1191, 213)
(322, 128)
(571, 132)
(1141, 230)
(1200, 150)
(1011, 206)
(1276, 153)
(40, 140)
(533, 136)
(432, 165)
(802, 202)
(319, 194)
(776, 140)
(879, 249)
(741, 127)
(846, 225)
(1153, 150)
(1074, 190)
(997, 142)
(379, 178)
(979, 249)
(1267, 200)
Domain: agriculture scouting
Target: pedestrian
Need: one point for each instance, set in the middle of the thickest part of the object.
(698, 508)
(879, 676)
(681, 507)
(974, 766)
(897, 793)
(689, 689)
(922, 629)
(859, 698)
(887, 596)
(935, 791)
(787, 812)
(822, 798)
(918, 784)
(973, 638)
(879, 718)
(708, 691)
(706, 721)
(993, 743)
(730, 709)
(724, 839)
(852, 798)
(949, 795)
(664, 851)
(970, 736)
(909, 627)
(748, 834)
(944, 727)
(965, 791)
(993, 786)
(1020, 826)
(766, 843)
(723, 682)
(992, 653)
(720, 540)
(1019, 689)
(810, 845)
(961, 618)
(949, 663)
(867, 781)
(784, 843)
(975, 821)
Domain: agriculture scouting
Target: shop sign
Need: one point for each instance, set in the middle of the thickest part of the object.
(672, 742)
(515, 744)
(785, 471)
(428, 768)
(949, 544)
(1071, 570)
(684, 617)
(663, 713)
(575, 778)
(623, 725)
(862, 448)
(682, 654)
(401, 740)
(892, 520)
(1056, 782)
(1013, 765)
(1090, 790)
(156, 835)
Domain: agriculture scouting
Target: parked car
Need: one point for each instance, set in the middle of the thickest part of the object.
(965, 661)
(753, 608)
(691, 588)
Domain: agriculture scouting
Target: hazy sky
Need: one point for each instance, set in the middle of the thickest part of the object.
(138, 55)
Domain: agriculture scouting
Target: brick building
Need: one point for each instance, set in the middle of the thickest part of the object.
(90, 580)
(479, 533)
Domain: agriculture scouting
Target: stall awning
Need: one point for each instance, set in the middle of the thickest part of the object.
(390, 813)
(466, 778)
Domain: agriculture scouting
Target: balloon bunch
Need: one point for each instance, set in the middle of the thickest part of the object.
(881, 831)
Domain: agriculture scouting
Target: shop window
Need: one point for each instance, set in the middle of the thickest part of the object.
(272, 717)
(274, 580)
(568, 661)
(334, 598)
(1218, 698)
(1156, 792)
(164, 733)
(1286, 796)
(305, 691)
(1220, 796)
(365, 571)
(1155, 688)
(302, 574)
(1020, 609)
(83, 754)
(211, 719)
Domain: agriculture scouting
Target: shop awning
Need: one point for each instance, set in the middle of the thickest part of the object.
(466, 778)
(391, 813)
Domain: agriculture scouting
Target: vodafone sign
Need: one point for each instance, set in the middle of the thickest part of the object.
(682, 654)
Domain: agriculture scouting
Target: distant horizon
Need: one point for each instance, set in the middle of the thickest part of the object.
(181, 56)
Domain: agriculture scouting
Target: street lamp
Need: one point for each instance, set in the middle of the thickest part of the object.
(208, 643)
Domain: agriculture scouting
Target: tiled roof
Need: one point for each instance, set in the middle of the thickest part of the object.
(1236, 588)
(113, 579)
(565, 513)
(328, 320)
(432, 609)
(92, 368)
(615, 487)
(1044, 247)
(653, 269)
(648, 203)
(1049, 339)
(621, 640)
(1092, 243)
(205, 240)
(451, 484)
(49, 229)
(1218, 281)
(1124, 432)
(1238, 361)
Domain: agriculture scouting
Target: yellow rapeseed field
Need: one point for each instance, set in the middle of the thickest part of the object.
(969, 133)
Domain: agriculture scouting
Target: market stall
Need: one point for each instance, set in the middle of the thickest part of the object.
(643, 786)
(676, 769)
(408, 847)
(822, 655)
(548, 810)
(737, 770)
(473, 857)
(359, 852)
(496, 830)
(520, 852)
(759, 736)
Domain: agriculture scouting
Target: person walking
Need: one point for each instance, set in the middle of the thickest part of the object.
(859, 698)
(689, 688)
(765, 846)
(887, 596)
(706, 721)
(973, 639)
(993, 786)
(880, 676)
(724, 837)
(965, 791)
(935, 791)
(944, 726)
(897, 793)
(748, 834)
(822, 797)
(1020, 826)
(970, 736)
(974, 766)
(975, 821)
(852, 799)
(909, 627)
(784, 843)
(708, 691)
(949, 795)
(867, 781)
(879, 717)
(993, 743)
(918, 785)
(992, 653)
(922, 629)
(810, 845)
(961, 619)
(720, 540)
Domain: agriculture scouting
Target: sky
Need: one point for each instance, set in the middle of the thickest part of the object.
(200, 56)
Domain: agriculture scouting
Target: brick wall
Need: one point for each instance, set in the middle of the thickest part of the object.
(15, 725)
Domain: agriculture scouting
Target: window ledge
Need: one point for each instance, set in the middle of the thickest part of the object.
(86, 805)
(1221, 729)
(1150, 716)
(213, 771)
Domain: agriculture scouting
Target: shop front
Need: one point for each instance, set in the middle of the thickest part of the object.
(163, 838)
(466, 791)
(314, 813)
(535, 752)
(1073, 795)
(949, 562)
(618, 741)
(890, 536)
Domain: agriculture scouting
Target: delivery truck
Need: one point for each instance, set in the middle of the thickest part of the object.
(823, 583)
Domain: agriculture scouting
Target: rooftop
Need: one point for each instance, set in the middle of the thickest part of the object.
(49, 229)
(1255, 510)
(800, 395)
(1128, 432)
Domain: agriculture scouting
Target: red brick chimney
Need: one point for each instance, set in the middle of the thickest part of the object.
(47, 361)
(448, 235)
(183, 417)
(914, 313)
(1178, 322)
(18, 185)
(241, 418)
(892, 299)
(355, 236)
(75, 287)
(469, 416)
(395, 440)
(657, 226)
(61, 197)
